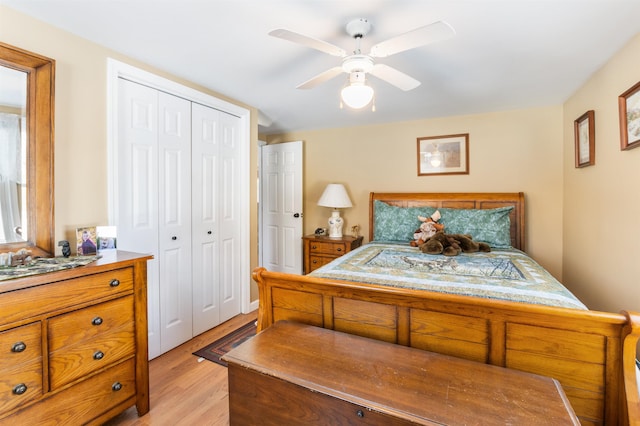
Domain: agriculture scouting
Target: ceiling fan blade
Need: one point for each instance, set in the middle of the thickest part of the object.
(438, 31)
(311, 42)
(320, 78)
(392, 76)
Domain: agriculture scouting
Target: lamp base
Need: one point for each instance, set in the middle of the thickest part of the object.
(335, 225)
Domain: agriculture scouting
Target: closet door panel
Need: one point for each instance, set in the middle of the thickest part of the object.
(205, 213)
(137, 188)
(174, 213)
(232, 205)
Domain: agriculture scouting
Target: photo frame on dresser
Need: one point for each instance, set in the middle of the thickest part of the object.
(585, 139)
(629, 110)
(86, 241)
(443, 155)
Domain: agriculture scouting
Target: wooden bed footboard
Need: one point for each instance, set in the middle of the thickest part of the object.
(592, 354)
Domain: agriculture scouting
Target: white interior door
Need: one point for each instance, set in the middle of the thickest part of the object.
(146, 192)
(136, 180)
(232, 203)
(281, 206)
(205, 239)
(174, 208)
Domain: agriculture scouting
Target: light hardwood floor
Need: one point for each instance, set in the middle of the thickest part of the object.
(184, 391)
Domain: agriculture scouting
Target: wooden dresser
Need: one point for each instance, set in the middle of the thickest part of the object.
(73, 343)
(320, 250)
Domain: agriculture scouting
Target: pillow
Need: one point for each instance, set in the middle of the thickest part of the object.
(393, 223)
(491, 226)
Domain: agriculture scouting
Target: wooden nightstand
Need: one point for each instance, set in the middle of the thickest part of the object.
(320, 250)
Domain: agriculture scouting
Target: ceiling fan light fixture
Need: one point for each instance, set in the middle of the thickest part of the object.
(357, 94)
(357, 63)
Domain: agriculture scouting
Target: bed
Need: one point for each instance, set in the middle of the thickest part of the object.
(591, 353)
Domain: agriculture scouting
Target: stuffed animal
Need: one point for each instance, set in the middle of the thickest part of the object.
(427, 229)
(452, 244)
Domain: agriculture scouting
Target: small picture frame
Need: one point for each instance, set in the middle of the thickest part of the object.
(106, 238)
(584, 129)
(443, 155)
(86, 241)
(629, 111)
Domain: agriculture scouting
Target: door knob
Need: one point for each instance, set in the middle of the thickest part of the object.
(297, 215)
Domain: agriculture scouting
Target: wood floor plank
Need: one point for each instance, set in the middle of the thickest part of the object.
(184, 391)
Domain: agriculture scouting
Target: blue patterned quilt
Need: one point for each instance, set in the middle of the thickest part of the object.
(505, 274)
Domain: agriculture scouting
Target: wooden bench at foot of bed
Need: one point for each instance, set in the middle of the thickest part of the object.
(590, 353)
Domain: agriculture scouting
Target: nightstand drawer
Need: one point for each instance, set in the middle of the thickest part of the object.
(337, 249)
(317, 261)
(320, 250)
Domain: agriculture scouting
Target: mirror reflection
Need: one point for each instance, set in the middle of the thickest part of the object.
(13, 161)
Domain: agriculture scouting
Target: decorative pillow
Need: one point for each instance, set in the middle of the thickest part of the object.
(393, 223)
(491, 226)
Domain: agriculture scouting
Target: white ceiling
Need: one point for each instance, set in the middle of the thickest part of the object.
(507, 54)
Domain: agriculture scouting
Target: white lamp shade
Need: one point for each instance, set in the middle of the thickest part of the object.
(335, 196)
(357, 95)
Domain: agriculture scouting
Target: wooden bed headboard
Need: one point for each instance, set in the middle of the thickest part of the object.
(458, 200)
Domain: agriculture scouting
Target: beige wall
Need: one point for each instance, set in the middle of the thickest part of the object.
(526, 150)
(509, 152)
(601, 231)
(81, 122)
(570, 212)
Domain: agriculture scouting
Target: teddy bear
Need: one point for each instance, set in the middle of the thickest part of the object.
(452, 244)
(427, 229)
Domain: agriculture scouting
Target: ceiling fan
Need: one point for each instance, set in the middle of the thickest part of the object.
(357, 64)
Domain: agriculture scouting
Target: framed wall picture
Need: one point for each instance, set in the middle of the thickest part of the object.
(585, 138)
(629, 110)
(443, 155)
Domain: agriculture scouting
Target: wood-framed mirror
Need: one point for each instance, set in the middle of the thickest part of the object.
(32, 227)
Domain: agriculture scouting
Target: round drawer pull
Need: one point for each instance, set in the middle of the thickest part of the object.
(114, 282)
(339, 249)
(174, 238)
(314, 246)
(96, 321)
(18, 347)
(314, 261)
(116, 386)
(209, 232)
(19, 389)
(98, 355)
(360, 413)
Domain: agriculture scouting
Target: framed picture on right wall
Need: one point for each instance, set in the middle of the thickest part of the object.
(629, 110)
(585, 139)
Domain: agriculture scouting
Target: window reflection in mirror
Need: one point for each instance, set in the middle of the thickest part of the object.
(13, 161)
(29, 177)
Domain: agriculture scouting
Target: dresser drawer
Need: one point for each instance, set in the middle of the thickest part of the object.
(20, 345)
(88, 339)
(84, 402)
(58, 295)
(20, 365)
(337, 249)
(20, 384)
(317, 261)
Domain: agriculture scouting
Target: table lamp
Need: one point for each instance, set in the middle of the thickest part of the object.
(335, 197)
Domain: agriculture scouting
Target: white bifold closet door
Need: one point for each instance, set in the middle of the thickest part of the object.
(215, 213)
(176, 167)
